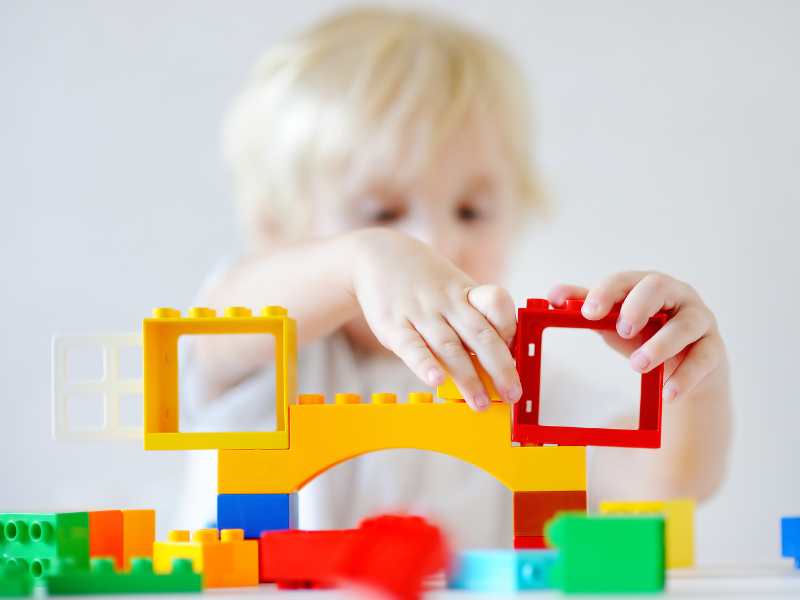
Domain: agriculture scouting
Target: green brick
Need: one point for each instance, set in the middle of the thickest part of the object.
(607, 554)
(103, 579)
(42, 542)
(14, 581)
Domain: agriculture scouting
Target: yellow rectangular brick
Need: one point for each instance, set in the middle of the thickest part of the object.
(225, 559)
(679, 525)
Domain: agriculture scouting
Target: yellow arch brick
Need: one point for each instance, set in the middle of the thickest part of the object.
(160, 336)
(323, 435)
(679, 525)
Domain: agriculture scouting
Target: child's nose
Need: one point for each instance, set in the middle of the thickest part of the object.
(447, 243)
(422, 232)
(441, 238)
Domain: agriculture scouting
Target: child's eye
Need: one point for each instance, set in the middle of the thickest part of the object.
(386, 216)
(468, 214)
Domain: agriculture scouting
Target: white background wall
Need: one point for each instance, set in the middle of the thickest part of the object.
(668, 133)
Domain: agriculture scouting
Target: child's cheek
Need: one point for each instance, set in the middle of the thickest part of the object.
(485, 260)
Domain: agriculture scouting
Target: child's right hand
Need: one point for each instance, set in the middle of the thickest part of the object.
(428, 312)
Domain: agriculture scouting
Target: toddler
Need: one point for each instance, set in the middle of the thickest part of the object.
(383, 167)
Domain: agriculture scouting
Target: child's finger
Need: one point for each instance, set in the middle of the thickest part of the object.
(602, 297)
(688, 326)
(491, 350)
(448, 348)
(497, 306)
(621, 345)
(409, 345)
(701, 359)
(652, 294)
(563, 292)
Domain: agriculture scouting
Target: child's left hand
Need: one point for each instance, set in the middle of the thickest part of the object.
(689, 344)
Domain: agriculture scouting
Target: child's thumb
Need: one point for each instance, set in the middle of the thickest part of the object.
(497, 305)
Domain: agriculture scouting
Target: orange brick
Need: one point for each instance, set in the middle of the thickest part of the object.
(105, 536)
(138, 534)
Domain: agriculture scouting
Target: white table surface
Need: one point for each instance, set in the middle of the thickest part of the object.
(776, 581)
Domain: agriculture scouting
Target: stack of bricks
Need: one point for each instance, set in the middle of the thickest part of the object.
(55, 549)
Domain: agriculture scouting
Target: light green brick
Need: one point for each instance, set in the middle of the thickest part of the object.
(40, 543)
(607, 554)
(103, 579)
(15, 582)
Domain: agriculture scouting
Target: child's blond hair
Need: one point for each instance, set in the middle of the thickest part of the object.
(366, 90)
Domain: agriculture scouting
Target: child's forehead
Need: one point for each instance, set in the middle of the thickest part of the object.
(471, 155)
(388, 188)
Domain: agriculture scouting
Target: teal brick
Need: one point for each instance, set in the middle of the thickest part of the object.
(607, 554)
(15, 582)
(41, 543)
(502, 571)
(103, 579)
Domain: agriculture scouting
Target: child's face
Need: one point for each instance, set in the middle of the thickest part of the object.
(464, 205)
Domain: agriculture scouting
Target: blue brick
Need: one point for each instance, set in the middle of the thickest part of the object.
(790, 538)
(502, 571)
(257, 512)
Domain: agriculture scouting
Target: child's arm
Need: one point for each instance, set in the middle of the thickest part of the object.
(697, 411)
(417, 303)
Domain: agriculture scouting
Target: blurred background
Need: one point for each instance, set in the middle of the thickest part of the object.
(667, 132)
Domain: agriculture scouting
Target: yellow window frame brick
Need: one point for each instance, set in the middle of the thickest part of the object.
(160, 335)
